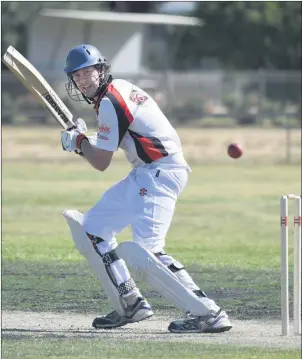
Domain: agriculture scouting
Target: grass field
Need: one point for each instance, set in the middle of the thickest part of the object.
(87, 348)
(225, 230)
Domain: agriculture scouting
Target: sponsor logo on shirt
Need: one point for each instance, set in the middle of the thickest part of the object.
(137, 97)
(104, 129)
(100, 136)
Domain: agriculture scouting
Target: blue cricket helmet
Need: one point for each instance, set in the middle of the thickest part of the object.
(83, 56)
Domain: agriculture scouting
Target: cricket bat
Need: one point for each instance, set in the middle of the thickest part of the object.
(38, 86)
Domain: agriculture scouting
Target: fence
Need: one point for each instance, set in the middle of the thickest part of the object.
(262, 98)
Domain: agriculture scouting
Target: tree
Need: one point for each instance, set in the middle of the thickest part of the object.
(244, 35)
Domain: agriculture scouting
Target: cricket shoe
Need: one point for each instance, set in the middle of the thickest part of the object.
(213, 323)
(141, 310)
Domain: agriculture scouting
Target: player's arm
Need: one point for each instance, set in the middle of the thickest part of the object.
(98, 154)
(98, 158)
(108, 137)
(75, 139)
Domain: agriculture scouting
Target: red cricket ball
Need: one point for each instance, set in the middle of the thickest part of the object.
(234, 150)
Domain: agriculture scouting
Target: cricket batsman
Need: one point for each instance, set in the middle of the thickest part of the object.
(129, 118)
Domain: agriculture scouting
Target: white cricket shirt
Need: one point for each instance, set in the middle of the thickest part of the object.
(129, 118)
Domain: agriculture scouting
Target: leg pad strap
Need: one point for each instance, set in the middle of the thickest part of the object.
(108, 257)
(126, 287)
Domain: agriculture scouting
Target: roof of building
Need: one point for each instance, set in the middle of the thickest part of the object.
(126, 17)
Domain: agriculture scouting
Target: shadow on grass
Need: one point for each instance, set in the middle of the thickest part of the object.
(73, 287)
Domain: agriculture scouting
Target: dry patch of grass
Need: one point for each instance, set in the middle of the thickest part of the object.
(261, 146)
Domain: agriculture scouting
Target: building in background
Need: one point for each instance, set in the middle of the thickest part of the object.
(124, 38)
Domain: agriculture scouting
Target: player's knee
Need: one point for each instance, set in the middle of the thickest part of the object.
(106, 250)
(100, 244)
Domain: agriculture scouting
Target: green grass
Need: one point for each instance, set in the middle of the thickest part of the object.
(64, 348)
(59, 287)
(229, 211)
(225, 230)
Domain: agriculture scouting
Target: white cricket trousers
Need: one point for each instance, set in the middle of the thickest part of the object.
(145, 200)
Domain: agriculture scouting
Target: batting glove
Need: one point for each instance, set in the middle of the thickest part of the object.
(72, 138)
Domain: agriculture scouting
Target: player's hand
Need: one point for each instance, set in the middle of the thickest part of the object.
(80, 125)
(71, 139)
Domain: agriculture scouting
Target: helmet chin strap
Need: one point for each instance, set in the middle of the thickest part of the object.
(87, 99)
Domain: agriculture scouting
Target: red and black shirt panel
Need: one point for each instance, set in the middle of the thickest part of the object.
(149, 148)
(123, 113)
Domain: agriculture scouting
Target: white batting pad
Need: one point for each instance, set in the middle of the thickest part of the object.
(160, 278)
(83, 244)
